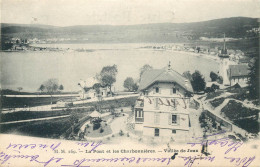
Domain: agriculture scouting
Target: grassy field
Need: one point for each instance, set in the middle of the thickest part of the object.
(23, 115)
(19, 102)
(245, 118)
(213, 95)
(56, 127)
(216, 102)
(45, 128)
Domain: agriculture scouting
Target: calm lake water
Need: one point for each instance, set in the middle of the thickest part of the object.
(30, 69)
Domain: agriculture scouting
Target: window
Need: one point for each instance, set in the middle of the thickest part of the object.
(174, 119)
(156, 118)
(174, 131)
(156, 103)
(156, 90)
(139, 113)
(156, 132)
(173, 90)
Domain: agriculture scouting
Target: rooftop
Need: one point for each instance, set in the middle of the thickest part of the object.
(167, 75)
(238, 70)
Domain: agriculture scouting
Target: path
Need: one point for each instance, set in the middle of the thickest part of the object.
(216, 112)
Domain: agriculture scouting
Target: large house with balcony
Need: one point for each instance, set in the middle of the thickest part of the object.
(162, 108)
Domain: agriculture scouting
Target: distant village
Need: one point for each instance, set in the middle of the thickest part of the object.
(19, 44)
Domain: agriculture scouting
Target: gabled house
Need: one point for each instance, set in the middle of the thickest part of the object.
(163, 106)
(238, 74)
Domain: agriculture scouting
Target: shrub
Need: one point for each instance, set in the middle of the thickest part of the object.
(127, 135)
(121, 133)
(101, 130)
(113, 135)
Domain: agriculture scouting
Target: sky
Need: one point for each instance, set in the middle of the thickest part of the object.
(123, 12)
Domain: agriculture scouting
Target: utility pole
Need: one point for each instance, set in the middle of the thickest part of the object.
(230, 78)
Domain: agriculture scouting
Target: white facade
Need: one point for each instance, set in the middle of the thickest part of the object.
(92, 94)
(223, 68)
(165, 111)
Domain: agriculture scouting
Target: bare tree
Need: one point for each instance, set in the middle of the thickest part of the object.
(51, 86)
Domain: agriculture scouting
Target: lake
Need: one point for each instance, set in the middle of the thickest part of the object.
(29, 69)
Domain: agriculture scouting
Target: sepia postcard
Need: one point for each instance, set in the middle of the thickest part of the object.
(91, 83)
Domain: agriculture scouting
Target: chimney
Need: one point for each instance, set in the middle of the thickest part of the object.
(169, 66)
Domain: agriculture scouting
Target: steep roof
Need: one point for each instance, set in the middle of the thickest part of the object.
(95, 114)
(238, 70)
(89, 82)
(163, 75)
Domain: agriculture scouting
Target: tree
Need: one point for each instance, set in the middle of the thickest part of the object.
(20, 88)
(146, 67)
(61, 87)
(198, 82)
(135, 87)
(41, 88)
(220, 80)
(253, 82)
(97, 87)
(129, 83)
(51, 86)
(213, 76)
(107, 76)
(187, 75)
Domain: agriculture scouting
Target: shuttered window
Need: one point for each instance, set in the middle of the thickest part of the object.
(157, 118)
(156, 103)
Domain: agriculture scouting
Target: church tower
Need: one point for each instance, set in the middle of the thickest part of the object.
(224, 64)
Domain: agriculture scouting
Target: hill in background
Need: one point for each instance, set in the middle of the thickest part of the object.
(236, 27)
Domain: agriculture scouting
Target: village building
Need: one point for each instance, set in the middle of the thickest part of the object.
(238, 74)
(163, 106)
(87, 90)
